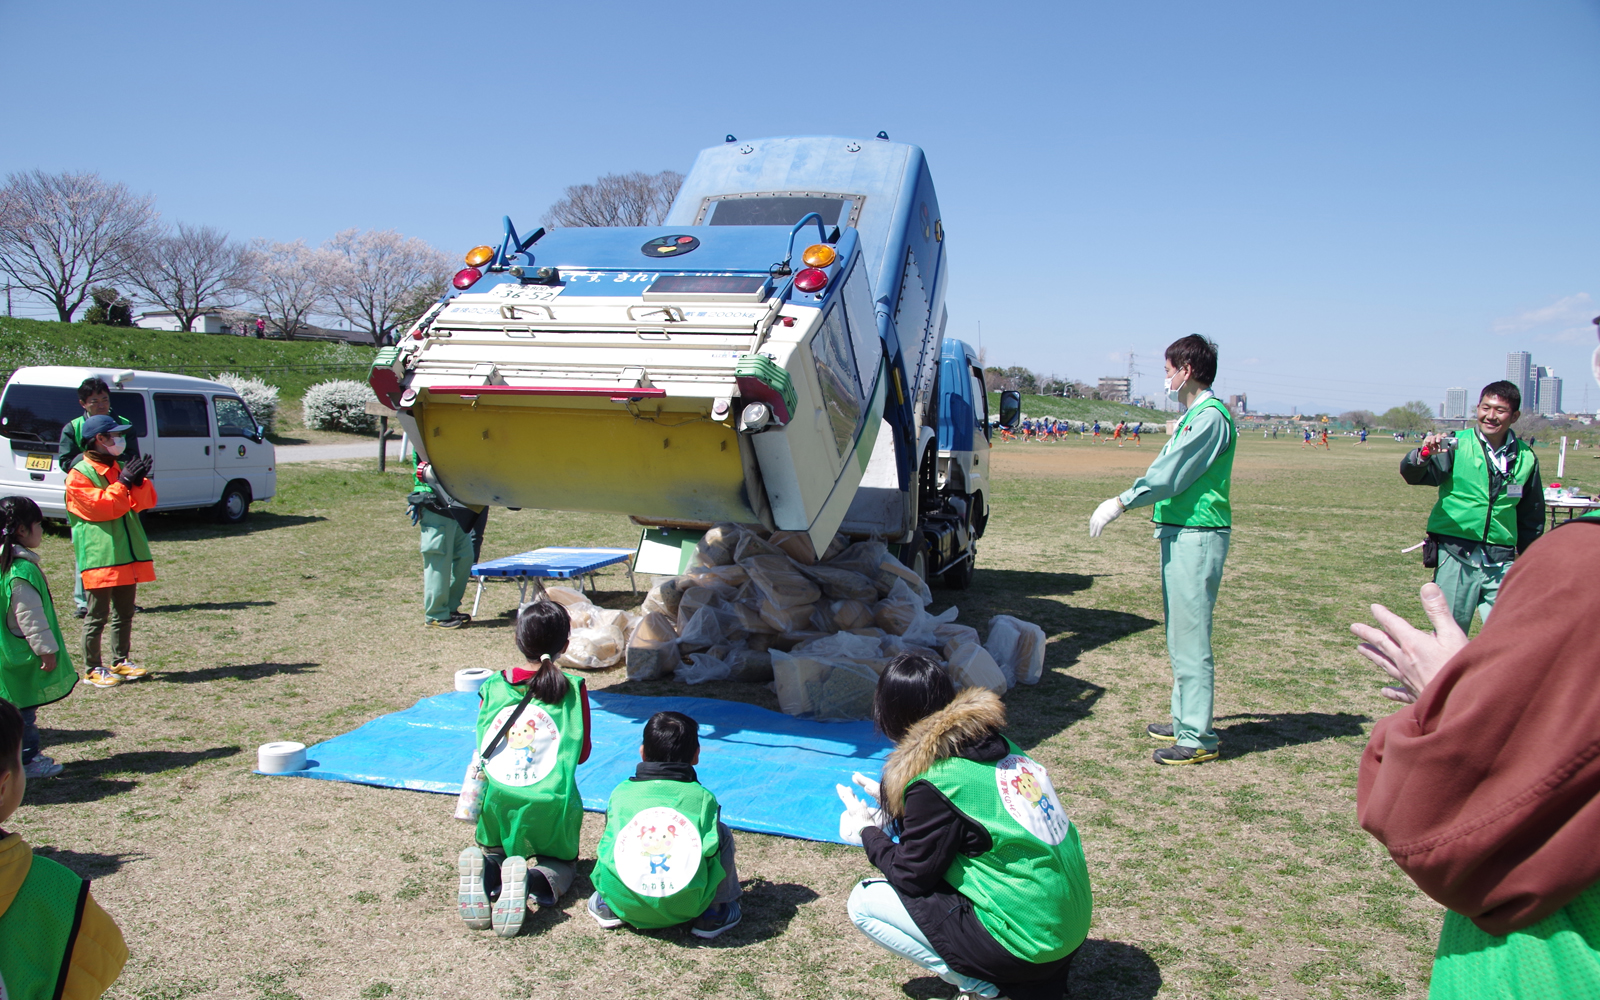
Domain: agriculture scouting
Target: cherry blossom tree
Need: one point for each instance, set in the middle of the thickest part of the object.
(290, 280)
(192, 272)
(61, 234)
(374, 276)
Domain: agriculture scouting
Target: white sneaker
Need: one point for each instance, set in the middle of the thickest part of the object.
(42, 767)
(471, 900)
(512, 906)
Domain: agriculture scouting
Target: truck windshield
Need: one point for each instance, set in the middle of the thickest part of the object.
(775, 210)
(38, 412)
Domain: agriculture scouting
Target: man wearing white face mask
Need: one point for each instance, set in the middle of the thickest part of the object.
(104, 498)
(1188, 485)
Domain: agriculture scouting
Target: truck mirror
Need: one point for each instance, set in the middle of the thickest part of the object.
(1010, 408)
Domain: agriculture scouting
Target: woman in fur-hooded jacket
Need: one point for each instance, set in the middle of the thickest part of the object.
(987, 886)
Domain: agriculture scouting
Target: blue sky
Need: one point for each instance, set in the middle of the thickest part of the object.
(1363, 203)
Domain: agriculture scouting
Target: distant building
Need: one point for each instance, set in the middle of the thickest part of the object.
(1548, 402)
(1455, 404)
(1118, 390)
(165, 319)
(1519, 372)
(1240, 404)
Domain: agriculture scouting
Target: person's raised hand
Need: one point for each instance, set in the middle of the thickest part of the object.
(855, 818)
(1409, 655)
(132, 473)
(1104, 515)
(867, 785)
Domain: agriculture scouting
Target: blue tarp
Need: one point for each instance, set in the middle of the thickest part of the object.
(771, 772)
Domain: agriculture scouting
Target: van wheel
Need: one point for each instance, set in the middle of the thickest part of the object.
(235, 503)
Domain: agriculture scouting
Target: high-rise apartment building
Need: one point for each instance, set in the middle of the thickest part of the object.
(1455, 404)
(1548, 402)
(1519, 372)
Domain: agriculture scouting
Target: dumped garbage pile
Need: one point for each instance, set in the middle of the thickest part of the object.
(757, 607)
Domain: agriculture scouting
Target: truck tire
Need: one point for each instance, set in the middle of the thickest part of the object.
(235, 503)
(959, 576)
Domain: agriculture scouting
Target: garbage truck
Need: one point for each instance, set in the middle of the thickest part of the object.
(772, 354)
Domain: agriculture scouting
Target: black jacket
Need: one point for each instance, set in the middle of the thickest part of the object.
(932, 833)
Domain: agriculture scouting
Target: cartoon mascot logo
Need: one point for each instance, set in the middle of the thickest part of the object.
(1027, 794)
(657, 852)
(528, 752)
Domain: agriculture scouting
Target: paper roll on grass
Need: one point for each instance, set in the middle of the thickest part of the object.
(281, 758)
(472, 678)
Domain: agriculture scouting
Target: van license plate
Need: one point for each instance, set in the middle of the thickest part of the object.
(41, 463)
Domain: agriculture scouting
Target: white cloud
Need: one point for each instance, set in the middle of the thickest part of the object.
(1564, 321)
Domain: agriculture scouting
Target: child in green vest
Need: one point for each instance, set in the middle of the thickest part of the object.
(55, 940)
(533, 732)
(94, 395)
(35, 669)
(666, 857)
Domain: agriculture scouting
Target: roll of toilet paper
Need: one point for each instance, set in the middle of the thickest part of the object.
(472, 678)
(281, 758)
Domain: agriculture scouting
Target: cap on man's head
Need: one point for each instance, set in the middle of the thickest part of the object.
(102, 424)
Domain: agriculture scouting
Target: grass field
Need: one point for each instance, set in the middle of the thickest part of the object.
(36, 342)
(1247, 877)
(1083, 409)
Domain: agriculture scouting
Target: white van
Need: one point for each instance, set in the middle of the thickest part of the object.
(207, 448)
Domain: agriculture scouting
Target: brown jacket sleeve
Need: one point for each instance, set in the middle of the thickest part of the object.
(1487, 790)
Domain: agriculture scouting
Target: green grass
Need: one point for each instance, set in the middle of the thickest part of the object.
(1084, 409)
(292, 366)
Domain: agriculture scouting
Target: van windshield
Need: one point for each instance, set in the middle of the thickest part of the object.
(38, 412)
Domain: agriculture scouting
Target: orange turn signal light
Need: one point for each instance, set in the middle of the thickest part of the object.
(819, 255)
(479, 256)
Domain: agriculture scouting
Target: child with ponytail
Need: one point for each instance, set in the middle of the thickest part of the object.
(533, 732)
(35, 669)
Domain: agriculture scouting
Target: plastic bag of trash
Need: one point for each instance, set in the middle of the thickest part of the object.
(796, 545)
(703, 667)
(787, 619)
(972, 666)
(710, 626)
(750, 619)
(1017, 645)
(602, 617)
(695, 598)
(847, 691)
(785, 641)
(862, 557)
(839, 544)
(746, 664)
(952, 637)
(664, 596)
(597, 648)
(717, 545)
(824, 687)
(840, 645)
(924, 628)
(892, 569)
(781, 583)
(898, 611)
(751, 545)
(653, 650)
(842, 584)
(732, 574)
(578, 607)
(847, 615)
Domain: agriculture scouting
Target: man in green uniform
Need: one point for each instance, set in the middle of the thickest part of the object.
(452, 537)
(1491, 501)
(95, 398)
(1188, 485)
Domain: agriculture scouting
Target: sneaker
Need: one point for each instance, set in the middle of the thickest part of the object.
(462, 617)
(472, 900)
(129, 670)
(1160, 731)
(443, 622)
(602, 913)
(720, 917)
(81, 613)
(100, 677)
(512, 906)
(1186, 755)
(41, 767)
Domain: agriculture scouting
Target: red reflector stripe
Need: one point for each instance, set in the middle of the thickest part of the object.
(609, 391)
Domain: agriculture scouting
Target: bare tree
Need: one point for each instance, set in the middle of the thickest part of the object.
(290, 280)
(636, 199)
(375, 275)
(62, 233)
(191, 272)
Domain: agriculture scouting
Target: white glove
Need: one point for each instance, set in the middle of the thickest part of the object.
(855, 818)
(1104, 515)
(867, 785)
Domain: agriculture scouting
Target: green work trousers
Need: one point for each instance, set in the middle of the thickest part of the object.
(1469, 584)
(1191, 572)
(115, 605)
(446, 565)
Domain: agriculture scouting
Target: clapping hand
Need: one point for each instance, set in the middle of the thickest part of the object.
(135, 471)
(857, 816)
(1409, 655)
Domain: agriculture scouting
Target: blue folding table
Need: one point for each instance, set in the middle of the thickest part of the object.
(550, 562)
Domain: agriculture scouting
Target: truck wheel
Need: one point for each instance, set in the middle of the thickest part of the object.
(959, 576)
(235, 503)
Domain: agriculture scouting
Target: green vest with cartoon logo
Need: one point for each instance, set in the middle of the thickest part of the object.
(530, 797)
(21, 681)
(1030, 890)
(1465, 509)
(660, 859)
